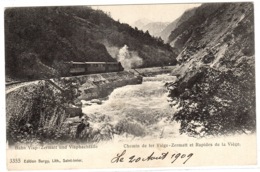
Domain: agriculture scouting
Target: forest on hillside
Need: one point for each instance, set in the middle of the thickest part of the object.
(39, 39)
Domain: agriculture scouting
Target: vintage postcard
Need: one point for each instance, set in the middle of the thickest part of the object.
(130, 86)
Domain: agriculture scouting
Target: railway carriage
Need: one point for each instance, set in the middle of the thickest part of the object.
(80, 68)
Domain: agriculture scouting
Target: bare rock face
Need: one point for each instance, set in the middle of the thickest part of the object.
(187, 81)
(208, 58)
(215, 88)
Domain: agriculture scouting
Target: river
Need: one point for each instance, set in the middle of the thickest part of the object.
(136, 111)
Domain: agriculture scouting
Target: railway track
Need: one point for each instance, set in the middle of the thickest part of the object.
(12, 83)
(11, 86)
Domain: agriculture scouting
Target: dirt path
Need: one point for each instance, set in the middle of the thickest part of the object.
(12, 88)
(219, 55)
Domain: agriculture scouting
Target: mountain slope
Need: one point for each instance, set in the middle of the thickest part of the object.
(53, 35)
(165, 33)
(216, 78)
(155, 28)
(180, 35)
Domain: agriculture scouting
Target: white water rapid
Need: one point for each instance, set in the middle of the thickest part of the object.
(141, 110)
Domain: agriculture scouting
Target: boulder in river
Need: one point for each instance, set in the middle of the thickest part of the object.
(97, 101)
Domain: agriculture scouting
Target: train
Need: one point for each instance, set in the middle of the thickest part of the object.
(81, 68)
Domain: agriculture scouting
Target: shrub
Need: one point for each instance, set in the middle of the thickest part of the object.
(218, 103)
(39, 114)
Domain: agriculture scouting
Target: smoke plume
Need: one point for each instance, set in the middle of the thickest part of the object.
(129, 59)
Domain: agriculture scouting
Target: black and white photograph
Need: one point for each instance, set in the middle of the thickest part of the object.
(175, 76)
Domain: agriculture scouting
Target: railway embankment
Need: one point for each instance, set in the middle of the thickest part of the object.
(39, 109)
(101, 85)
(153, 70)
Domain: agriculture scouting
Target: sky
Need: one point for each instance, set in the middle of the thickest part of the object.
(156, 13)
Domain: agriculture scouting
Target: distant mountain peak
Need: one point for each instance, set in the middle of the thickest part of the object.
(141, 22)
(153, 27)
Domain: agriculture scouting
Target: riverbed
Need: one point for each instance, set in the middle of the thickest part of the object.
(135, 111)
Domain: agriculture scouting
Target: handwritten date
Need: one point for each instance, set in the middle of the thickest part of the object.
(121, 157)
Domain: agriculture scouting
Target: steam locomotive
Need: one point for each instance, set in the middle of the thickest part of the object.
(80, 68)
